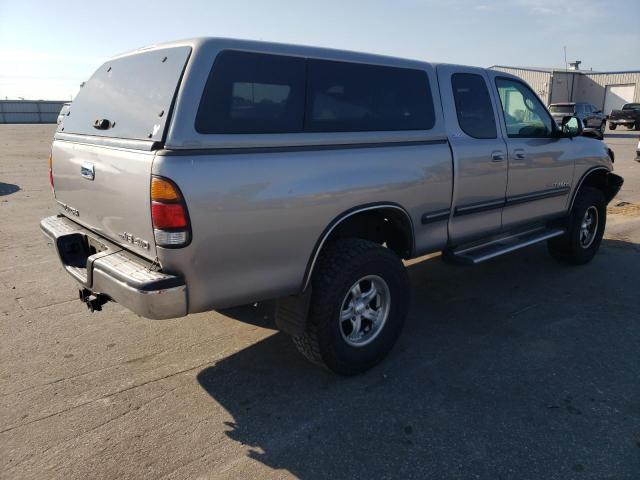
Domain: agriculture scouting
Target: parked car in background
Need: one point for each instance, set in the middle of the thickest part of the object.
(63, 112)
(593, 120)
(629, 116)
(227, 172)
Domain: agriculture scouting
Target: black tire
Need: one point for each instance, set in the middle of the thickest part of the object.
(603, 127)
(612, 126)
(344, 263)
(637, 126)
(569, 248)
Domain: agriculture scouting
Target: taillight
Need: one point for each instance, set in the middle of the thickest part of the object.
(168, 214)
(51, 171)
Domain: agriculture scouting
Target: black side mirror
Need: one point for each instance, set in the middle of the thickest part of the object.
(571, 126)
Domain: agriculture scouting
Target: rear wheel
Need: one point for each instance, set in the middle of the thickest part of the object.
(359, 301)
(612, 126)
(637, 125)
(584, 231)
(603, 127)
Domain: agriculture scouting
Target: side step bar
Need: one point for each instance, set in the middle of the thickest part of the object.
(472, 255)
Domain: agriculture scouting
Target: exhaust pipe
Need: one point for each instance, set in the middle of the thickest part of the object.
(94, 301)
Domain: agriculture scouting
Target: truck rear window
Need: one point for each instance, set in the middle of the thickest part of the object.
(129, 97)
(561, 109)
(261, 93)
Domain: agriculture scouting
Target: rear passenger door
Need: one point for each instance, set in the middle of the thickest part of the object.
(594, 116)
(479, 152)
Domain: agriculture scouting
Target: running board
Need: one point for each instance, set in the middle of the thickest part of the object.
(479, 253)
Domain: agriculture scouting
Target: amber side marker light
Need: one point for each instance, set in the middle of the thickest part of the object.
(51, 171)
(169, 214)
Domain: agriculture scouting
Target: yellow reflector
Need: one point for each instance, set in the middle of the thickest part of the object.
(162, 190)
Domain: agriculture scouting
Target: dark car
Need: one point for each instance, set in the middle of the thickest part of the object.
(593, 120)
(629, 116)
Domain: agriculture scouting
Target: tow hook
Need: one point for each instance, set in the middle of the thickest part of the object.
(94, 301)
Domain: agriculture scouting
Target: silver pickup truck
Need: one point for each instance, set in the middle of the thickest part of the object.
(209, 173)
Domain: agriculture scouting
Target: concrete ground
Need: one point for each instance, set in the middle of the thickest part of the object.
(518, 368)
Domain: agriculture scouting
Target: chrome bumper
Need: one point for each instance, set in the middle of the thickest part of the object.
(109, 270)
(622, 121)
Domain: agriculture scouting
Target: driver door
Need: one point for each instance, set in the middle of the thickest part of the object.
(540, 163)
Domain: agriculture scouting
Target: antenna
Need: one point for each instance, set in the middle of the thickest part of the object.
(566, 73)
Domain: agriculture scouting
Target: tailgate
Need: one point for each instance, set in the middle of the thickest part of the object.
(115, 203)
(621, 115)
(103, 151)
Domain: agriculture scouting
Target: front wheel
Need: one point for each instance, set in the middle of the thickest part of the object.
(584, 230)
(637, 125)
(359, 301)
(603, 127)
(612, 126)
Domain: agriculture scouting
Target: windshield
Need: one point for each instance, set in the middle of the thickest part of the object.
(631, 106)
(129, 97)
(561, 108)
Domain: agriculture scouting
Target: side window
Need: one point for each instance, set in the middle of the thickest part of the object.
(473, 105)
(353, 97)
(524, 114)
(253, 93)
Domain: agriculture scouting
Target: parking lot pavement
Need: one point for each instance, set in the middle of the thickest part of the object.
(517, 368)
(624, 143)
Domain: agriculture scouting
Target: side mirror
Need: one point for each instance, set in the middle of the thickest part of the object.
(571, 126)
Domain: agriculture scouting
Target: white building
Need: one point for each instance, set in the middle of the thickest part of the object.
(605, 90)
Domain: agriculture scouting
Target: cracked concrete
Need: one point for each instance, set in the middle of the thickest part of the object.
(518, 368)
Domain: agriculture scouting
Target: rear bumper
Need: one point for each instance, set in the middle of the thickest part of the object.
(622, 121)
(109, 270)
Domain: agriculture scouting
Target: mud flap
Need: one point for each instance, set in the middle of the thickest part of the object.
(613, 185)
(291, 313)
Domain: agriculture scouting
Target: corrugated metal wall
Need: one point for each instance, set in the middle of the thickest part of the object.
(29, 111)
(592, 86)
(561, 86)
(538, 80)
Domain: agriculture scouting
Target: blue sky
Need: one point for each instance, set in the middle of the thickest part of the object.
(47, 48)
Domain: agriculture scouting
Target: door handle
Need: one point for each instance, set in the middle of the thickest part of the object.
(87, 171)
(497, 156)
(519, 153)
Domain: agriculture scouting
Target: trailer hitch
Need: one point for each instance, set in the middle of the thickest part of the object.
(94, 301)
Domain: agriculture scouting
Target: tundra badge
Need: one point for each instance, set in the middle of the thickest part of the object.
(138, 242)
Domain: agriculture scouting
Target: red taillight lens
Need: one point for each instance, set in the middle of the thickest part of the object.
(168, 215)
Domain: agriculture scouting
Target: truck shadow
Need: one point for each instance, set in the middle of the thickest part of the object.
(630, 134)
(8, 188)
(495, 366)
